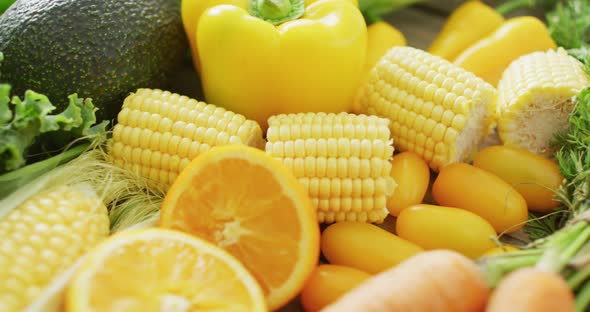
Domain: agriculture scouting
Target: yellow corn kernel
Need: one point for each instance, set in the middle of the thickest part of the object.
(535, 98)
(342, 160)
(436, 109)
(158, 133)
(42, 238)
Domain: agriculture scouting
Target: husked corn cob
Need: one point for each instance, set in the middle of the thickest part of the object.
(437, 109)
(535, 98)
(341, 159)
(42, 238)
(158, 133)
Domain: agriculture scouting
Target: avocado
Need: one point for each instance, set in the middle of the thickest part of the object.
(99, 49)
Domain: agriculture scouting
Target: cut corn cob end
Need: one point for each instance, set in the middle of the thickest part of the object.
(158, 133)
(342, 160)
(437, 109)
(43, 237)
(537, 93)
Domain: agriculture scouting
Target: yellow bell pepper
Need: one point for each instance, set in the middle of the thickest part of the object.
(190, 11)
(490, 56)
(381, 36)
(307, 63)
(470, 22)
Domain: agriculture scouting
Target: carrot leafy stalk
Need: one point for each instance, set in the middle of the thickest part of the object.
(567, 250)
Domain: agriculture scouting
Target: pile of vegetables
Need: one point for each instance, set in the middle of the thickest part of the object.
(444, 223)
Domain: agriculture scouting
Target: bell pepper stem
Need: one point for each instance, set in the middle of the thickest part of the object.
(373, 9)
(277, 11)
(513, 5)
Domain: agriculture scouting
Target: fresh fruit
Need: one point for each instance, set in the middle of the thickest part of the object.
(464, 186)
(162, 270)
(365, 246)
(412, 175)
(535, 177)
(328, 283)
(248, 203)
(436, 227)
(98, 49)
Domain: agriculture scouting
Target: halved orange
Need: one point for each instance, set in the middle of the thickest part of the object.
(248, 203)
(162, 270)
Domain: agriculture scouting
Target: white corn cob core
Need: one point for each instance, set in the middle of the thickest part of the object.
(437, 109)
(536, 96)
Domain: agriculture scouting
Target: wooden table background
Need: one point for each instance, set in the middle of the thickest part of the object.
(419, 23)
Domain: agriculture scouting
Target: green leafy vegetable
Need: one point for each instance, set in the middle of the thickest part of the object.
(569, 24)
(34, 141)
(31, 118)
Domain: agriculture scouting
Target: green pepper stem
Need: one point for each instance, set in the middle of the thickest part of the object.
(513, 5)
(373, 10)
(277, 11)
(274, 9)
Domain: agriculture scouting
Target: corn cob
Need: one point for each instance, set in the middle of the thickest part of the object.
(158, 133)
(437, 110)
(42, 238)
(535, 98)
(341, 159)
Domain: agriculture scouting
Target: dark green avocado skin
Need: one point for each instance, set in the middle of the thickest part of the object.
(102, 49)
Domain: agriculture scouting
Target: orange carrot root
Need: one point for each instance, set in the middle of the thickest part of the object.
(530, 289)
(438, 280)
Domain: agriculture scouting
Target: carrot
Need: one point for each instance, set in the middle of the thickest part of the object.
(531, 289)
(434, 281)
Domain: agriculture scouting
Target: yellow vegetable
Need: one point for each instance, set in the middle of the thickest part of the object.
(470, 22)
(483, 193)
(437, 110)
(328, 283)
(269, 57)
(535, 98)
(412, 175)
(43, 237)
(158, 133)
(437, 227)
(342, 160)
(535, 177)
(381, 37)
(490, 56)
(365, 247)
